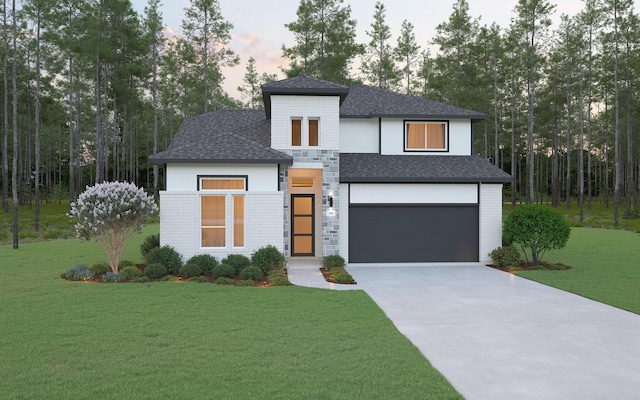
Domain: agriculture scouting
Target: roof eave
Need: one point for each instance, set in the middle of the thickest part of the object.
(422, 180)
(161, 161)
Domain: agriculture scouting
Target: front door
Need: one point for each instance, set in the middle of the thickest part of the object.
(302, 223)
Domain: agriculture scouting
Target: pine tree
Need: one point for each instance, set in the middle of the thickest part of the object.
(407, 52)
(325, 37)
(378, 64)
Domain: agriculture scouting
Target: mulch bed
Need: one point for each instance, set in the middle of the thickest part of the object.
(327, 277)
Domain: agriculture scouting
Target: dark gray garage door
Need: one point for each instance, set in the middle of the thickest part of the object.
(413, 233)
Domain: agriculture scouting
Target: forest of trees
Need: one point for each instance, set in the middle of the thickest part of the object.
(91, 88)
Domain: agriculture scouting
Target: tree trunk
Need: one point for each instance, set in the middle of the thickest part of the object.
(14, 172)
(37, 138)
(5, 112)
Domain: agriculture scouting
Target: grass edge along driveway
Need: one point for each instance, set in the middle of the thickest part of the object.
(61, 339)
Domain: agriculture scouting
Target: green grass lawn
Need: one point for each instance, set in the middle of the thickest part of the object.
(74, 340)
(605, 267)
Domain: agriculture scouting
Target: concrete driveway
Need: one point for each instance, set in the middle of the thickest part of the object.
(496, 336)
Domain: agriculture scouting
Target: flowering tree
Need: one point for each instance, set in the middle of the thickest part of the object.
(111, 212)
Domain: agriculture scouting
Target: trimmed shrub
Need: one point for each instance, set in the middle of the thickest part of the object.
(506, 257)
(246, 282)
(112, 277)
(267, 258)
(224, 281)
(100, 268)
(251, 272)
(223, 271)
(80, 272)
(206, 262)
(167, 256)
(198, 279)
(149, 243)
(237, 261)
(155, 271)
(125, 263)
(536, 227)
(333, 261)
(278, 278)
(130, 272)
(169, 278)
(190, 270)
(140, 279)
(340, 275)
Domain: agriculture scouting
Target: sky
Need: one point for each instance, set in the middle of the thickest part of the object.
(259, 31)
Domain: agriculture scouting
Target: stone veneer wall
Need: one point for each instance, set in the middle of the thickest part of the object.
(330, 160)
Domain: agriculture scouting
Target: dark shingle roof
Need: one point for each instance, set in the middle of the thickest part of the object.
(302, 85)
(370, 102)
(225, 136)
(366, 167)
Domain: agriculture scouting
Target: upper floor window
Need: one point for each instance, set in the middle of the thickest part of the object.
(305, 132)
(426, 136)
(314, 129)
(296, 132)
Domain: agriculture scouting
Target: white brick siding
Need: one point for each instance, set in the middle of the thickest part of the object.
(490, 220)
(180, 223)
(284, 108)
(343, 233)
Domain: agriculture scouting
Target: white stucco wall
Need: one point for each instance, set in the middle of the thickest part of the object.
(401, 193)
(459, 138)
(359, 135)
(490, 220)
(180, 223)
(285, 108)
(184, 177)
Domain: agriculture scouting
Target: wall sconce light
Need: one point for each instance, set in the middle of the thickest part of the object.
(330, 211)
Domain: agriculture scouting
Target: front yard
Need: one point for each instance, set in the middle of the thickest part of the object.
(604, 267)
(61, 339)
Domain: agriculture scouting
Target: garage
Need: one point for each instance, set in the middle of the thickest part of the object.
(409, 233)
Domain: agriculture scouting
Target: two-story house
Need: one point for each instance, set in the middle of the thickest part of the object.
(372, 175)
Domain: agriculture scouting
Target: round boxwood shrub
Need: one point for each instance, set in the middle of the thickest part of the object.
(125, 263)
(278, 278)
(206, 262)
(150, 242)
(167, 256)
(245, 282)
(536, 227)
(506, 257)
(198, 279)
(251, 272)
(140, 279)
(224, 281)
(267, 258)
(333, 261)
(223, 271)
(130, 272)
(155, 271)
(237, 261)
(190, 270)
(100, 268)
